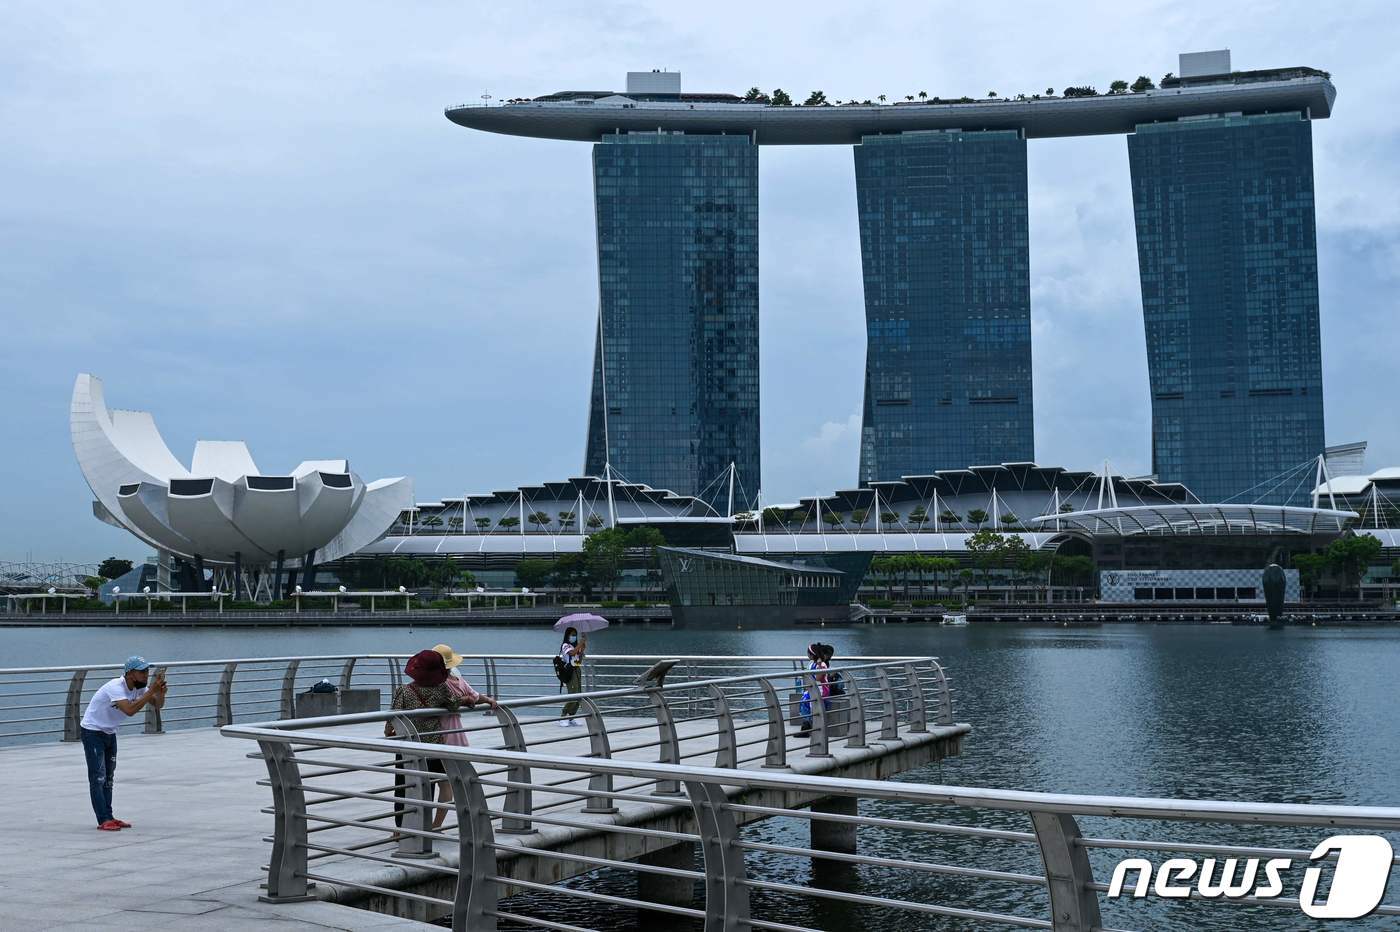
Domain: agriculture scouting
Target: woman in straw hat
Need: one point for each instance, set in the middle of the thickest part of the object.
(452, 724)
(427, 689)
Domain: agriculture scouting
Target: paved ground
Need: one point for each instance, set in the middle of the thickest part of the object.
(192, 861)
(195, 857)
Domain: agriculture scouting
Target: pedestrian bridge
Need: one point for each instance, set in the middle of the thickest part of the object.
(684, 794)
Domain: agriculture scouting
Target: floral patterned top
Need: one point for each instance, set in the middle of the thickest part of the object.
(412, 696)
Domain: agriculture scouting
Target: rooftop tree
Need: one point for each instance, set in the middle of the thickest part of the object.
(781, 98)
(1118, 87)
(1143, 83)
(815, 99)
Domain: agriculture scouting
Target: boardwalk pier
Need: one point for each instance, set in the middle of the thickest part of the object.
(691, 797)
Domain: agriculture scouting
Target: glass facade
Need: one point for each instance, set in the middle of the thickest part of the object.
(1227, 255)
(675, 376)
(710, 578)
(946, 265)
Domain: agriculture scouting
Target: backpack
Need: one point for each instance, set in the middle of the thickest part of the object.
(563, 670)
(837, 683)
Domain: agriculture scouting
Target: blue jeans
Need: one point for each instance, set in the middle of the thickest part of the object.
(100, 749)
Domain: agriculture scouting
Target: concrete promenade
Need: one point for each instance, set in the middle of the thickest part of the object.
(195, 856)
(192, 860)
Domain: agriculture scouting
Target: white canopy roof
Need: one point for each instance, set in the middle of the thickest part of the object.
(1198, 519)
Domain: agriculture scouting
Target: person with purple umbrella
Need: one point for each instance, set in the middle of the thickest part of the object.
(571, 652)
(568, 662)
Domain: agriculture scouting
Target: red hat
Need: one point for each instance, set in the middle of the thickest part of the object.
(426, 668)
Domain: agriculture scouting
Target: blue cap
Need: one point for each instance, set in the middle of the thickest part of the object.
(135, 662)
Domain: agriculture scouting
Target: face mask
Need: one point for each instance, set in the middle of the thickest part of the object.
(573, 639)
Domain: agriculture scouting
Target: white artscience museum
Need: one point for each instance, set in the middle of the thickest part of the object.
(222, 512)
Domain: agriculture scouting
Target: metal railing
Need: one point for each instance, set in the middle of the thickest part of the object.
(47, 703)
(338, 811)
(545, 839)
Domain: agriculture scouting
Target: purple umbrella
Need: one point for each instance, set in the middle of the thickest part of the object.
(583, 621)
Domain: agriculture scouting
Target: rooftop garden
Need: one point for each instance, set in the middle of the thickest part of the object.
(778, 97)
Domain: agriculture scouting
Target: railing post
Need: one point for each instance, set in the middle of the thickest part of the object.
(775, 754)
(153, 725)
(1073, 906)
(817, 743)
(598, 746)
(73, 707)
(346, 673)
(395, 675)
(945, 694)
(519, 801)
(726, 895)
(918, 711)
(857, 712)
(670, 750)
(475, 898)
(889, 718)
(492, 687)
(223, 704)
(417, 819)
(289, 684)
(286, 868)
(727, 753)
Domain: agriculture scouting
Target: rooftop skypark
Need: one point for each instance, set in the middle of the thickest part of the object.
(654, 101)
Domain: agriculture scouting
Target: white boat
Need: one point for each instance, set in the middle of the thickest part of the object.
(955, 620)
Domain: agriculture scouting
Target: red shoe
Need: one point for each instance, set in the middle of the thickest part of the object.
(111, 825)
(122, 823)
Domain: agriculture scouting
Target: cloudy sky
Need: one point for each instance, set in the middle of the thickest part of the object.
(253, 220)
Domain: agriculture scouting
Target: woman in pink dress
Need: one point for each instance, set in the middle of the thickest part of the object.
(452, 724)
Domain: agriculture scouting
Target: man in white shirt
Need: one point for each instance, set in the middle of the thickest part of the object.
(113, 703)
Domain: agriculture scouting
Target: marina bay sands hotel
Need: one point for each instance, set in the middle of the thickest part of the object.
(1222, 186)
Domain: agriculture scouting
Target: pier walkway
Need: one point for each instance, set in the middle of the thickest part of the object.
(196, 854)
(685, 804)
(194, 858)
